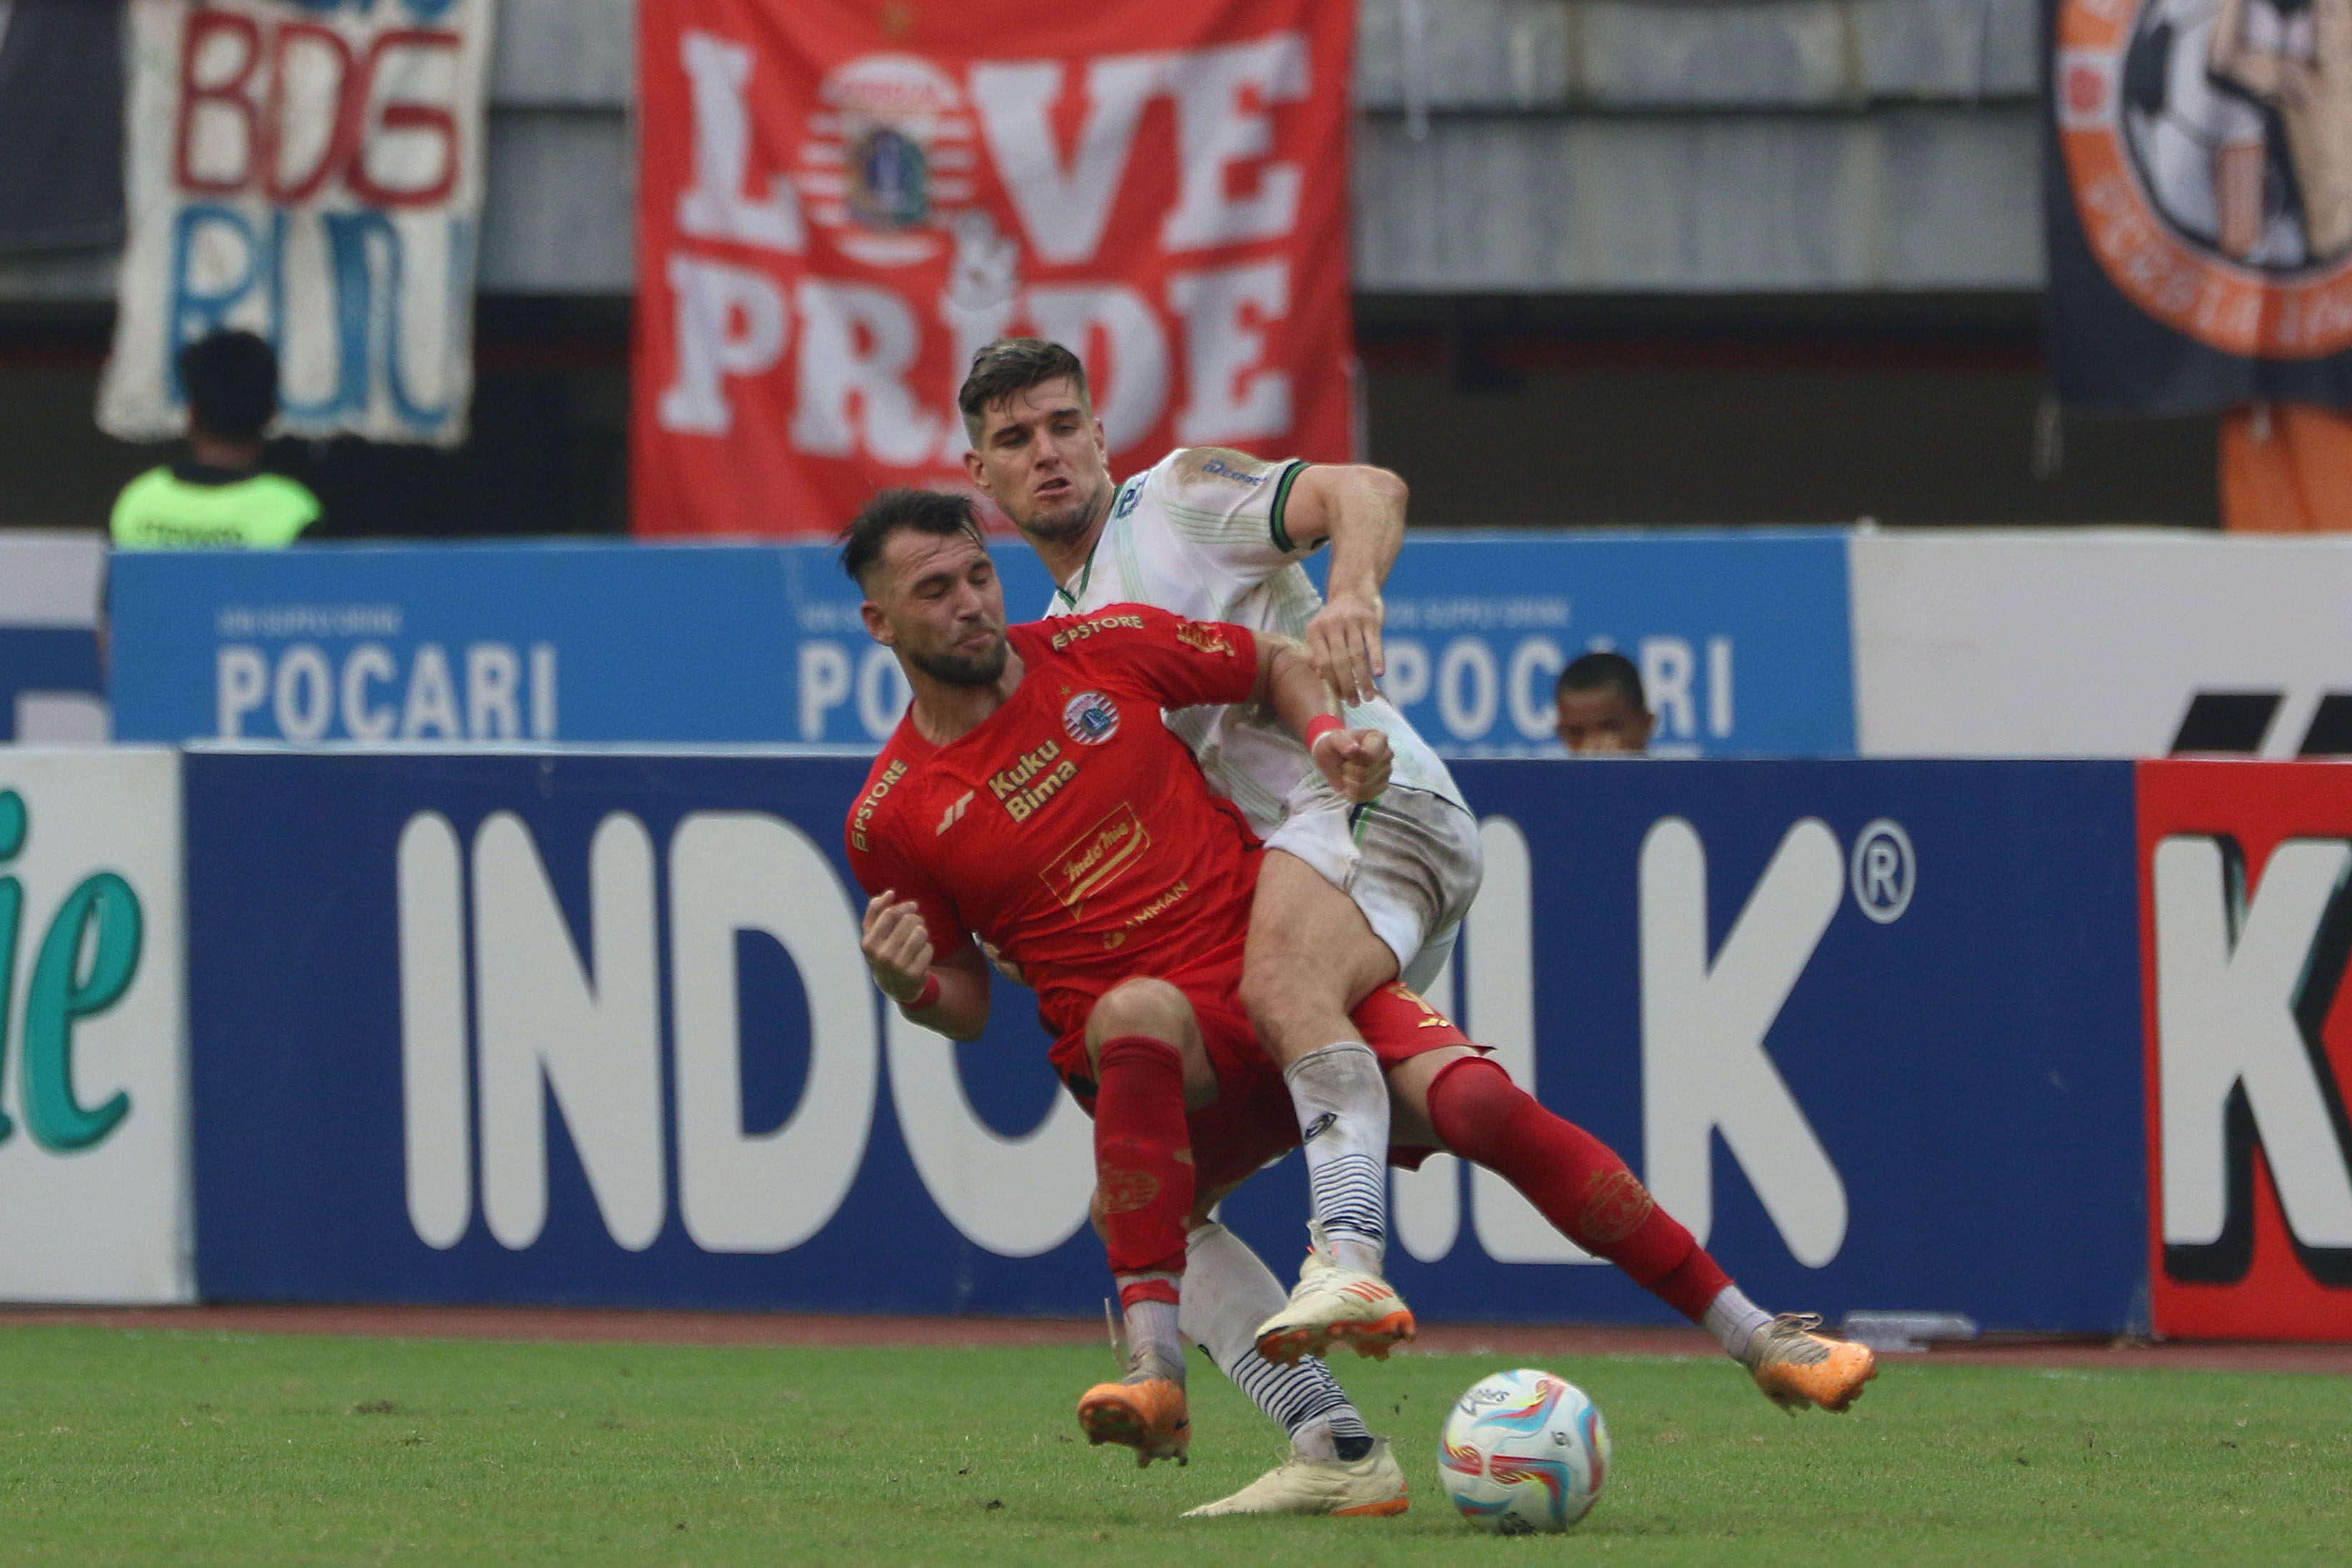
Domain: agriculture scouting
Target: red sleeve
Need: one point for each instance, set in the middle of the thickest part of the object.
(1180, 662)
(880, 862)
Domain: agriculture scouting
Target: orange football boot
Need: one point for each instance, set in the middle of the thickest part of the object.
(1145, 1413)
(1796, 1367)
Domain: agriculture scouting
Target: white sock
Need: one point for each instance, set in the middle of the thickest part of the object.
(1228, 1291)
(1733, 1319)
(1151, 1333)
(1342, 1102)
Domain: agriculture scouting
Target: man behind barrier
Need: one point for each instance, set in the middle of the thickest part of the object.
(218, 497)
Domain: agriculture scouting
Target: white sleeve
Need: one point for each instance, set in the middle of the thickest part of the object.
(1228, 505)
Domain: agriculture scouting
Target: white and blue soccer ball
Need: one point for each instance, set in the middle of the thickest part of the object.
(1524, 1451)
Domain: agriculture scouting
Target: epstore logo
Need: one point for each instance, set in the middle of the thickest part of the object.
(88, 956)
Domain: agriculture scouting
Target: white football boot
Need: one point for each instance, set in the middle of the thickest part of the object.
(1369, 1486)
(1332, 1304)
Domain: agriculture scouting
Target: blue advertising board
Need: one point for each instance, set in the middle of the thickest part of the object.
(566, 642)
(568, 1028)
(1742, 639)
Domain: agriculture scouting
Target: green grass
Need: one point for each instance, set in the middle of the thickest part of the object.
(179, 1448)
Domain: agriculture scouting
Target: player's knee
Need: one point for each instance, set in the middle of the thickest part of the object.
(1284, 1009)
(1144, 1007)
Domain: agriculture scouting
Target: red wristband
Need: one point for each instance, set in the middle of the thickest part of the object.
(927, 997)
(1321, 725)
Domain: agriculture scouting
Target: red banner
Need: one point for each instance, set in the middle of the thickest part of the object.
(840, 201)
(2246, 935)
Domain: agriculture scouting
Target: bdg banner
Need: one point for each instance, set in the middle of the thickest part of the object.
(93, 1103)
(310, 171)
(2247, 927)
(840, 203)
(2198, 191)
(593, 1029)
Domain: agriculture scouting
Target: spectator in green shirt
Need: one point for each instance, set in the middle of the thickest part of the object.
(218, 499)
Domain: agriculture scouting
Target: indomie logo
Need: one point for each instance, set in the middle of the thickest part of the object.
(88, 958)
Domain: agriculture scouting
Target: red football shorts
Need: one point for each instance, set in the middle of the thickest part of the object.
(1253, 1122)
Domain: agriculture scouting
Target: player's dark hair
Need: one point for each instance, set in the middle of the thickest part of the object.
(1012, 365)
(1599, 671)
(939, 512)
(231, 379)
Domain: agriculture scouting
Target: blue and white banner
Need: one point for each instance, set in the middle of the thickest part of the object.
(310, 172)
(1743, 643)
(593, 1029)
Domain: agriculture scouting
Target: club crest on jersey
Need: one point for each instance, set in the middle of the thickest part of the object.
(1090, 717)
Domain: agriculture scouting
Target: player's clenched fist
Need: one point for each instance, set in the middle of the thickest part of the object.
(1343, 643)
(898, 948)
(1355, 761)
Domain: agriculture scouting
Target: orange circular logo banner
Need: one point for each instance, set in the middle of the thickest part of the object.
(2208, 148)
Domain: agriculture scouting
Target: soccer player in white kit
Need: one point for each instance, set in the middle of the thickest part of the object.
(1351, 898)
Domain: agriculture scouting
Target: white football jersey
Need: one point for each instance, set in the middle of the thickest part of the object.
(1199, 535)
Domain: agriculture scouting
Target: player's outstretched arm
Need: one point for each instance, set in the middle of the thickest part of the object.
(1355, 761)
(1360, 509)
(949, 995)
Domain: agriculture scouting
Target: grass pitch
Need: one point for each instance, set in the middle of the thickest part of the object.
(124, 1446)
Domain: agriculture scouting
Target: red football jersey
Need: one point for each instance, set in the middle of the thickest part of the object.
(1070, 828)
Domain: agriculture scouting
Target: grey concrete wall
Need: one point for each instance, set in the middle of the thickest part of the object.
(1537, 146)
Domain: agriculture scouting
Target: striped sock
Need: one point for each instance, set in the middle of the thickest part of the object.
(1228, 1291)
(1342, 1102)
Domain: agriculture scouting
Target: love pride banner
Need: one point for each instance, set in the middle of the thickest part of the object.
(840, 203)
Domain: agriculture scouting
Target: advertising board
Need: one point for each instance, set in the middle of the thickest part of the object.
(2247, 926)
(506, 642)
(1742, 642)
(93, 1102)
(571, 1028)
(1741, 639)
(2123, 642)
(51, 687)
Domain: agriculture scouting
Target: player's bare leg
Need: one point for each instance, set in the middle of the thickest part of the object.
(1456, 1100)
(1149, 1065)
(1311, 958)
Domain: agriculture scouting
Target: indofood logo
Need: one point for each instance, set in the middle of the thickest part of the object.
(88, 956)
(2201, 140)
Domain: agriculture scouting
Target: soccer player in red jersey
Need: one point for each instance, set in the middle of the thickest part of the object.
(1031, 796)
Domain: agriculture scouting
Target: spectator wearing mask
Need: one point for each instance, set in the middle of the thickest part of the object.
(1601, 707)
(218, 497)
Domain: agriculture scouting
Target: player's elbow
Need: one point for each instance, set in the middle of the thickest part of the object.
(1384, 486)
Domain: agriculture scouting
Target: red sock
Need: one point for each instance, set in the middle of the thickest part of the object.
(1143, 1154)
(1575, 1180)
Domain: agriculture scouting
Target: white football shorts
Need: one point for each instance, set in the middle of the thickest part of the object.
(1410, 859)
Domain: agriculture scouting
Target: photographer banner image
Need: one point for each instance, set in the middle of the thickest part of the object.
(2199, 202)
(310, 172)
(840, 203)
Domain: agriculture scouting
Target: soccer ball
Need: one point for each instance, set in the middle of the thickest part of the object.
(1524, 1451)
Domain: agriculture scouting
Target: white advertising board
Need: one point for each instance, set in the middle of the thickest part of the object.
(2093, 643)
(93, 1101)
(51, 683)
